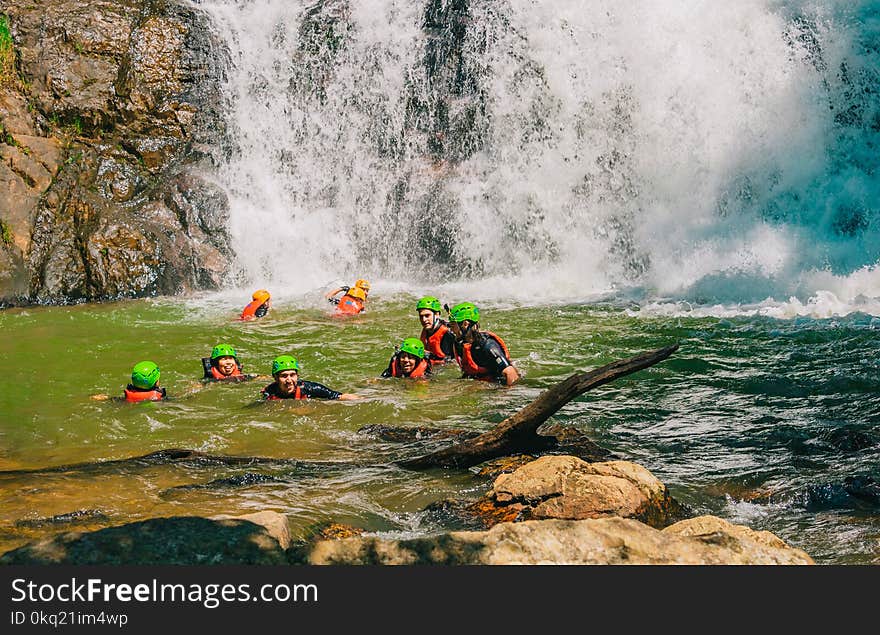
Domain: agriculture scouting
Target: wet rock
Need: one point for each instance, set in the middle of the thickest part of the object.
(859, 492)
(80, 516)
(848, 439)
(571, 441)
(591, 541)
(118, 106)
(248, 479)
(298, 553)
(415, 433)
(176, 540)
(563, 487)
(504, 465)
(863, 487)
(568, 488)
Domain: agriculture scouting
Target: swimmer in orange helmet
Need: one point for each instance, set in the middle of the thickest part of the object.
(355, 298)
(258, 307)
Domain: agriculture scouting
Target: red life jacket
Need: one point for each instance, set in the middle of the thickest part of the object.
(250, 311)
(211, 371)
(349, 305)
(432, 344)
(156, 394)
(296, 395)
(469, 367)
(419, 371)
(216, 374)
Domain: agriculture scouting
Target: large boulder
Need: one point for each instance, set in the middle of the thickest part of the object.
(592, 541)
(566, 487)
(104, 137)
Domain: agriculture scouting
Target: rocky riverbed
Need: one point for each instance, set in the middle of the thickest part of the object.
(558, 510)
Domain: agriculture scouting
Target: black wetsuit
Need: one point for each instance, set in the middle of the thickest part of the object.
(487, 352)
(307, 389)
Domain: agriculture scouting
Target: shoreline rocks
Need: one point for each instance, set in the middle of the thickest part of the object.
(554, 510)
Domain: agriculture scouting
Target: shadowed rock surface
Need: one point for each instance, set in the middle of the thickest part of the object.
(176, 540)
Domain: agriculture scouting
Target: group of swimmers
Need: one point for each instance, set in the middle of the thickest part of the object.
(479, 354)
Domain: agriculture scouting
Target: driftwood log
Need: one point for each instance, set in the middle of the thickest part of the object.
(518, 433)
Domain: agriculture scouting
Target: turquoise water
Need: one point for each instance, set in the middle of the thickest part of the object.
(757, 420)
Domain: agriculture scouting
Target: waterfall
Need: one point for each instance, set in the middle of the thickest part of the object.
(685, 149)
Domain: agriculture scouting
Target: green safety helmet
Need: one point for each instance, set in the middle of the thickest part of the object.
(464, 311)
(413, 346)
(284, 362)
(429, 302)
(223, 350)
(145, 375)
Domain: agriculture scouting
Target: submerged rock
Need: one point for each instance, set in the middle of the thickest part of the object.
(80, 516)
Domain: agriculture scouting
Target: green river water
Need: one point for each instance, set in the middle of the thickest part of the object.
(736, 423)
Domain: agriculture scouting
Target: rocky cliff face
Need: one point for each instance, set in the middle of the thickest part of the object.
(107, 124)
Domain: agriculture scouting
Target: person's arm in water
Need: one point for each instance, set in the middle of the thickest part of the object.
(511, 375)
(329, 295)
(492, 356)
(315, 390)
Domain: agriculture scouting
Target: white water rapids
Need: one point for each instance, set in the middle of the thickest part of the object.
(679, 152)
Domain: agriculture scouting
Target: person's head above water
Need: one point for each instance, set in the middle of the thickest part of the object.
(413, 346)
(223, 358)
(357, 292)
(285, 370)
(428, 309)
(463, 319)
(261, 295)
(145, 375)
(412, 351)
(360, 283)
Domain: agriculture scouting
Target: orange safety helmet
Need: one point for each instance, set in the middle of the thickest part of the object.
(357, 292)
(362, 284)
(261, 295)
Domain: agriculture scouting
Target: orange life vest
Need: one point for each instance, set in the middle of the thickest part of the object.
(216, 374)
(432, 344)
(296, 395)
(156, 394)
(349, 305)
(211, 371)
(250, 311)
(419, 371)
(469, 367)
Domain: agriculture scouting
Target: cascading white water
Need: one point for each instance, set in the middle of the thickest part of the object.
(560, 150)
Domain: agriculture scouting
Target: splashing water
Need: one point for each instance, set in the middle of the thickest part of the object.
(668, 151)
